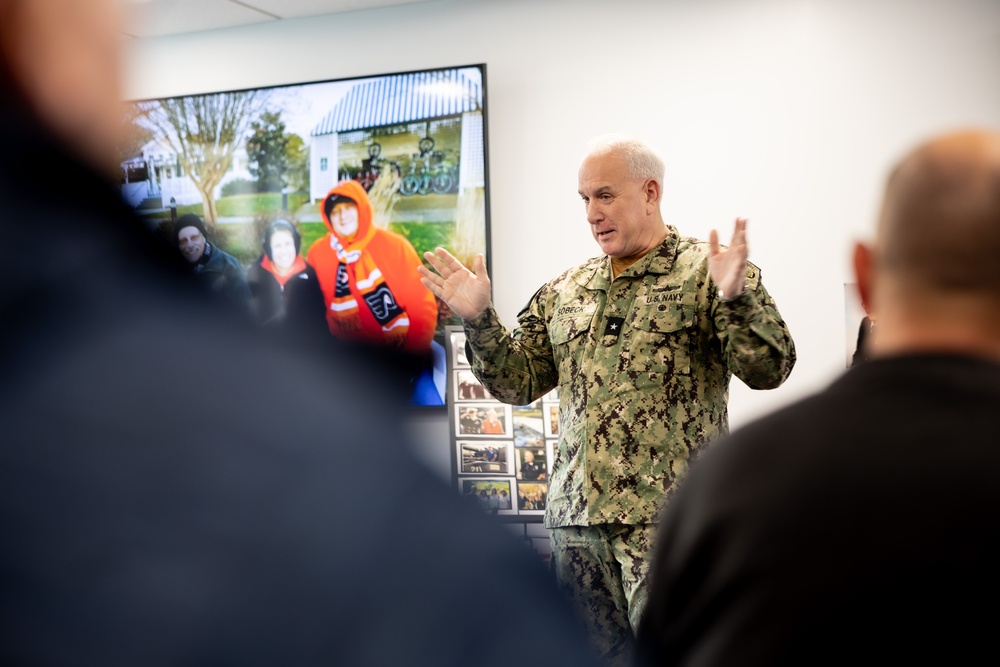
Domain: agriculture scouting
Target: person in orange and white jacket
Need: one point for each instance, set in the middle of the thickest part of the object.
(369, 276)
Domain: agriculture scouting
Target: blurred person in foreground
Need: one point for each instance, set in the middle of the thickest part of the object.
(858, 526)
(173, 488)
(642, 341)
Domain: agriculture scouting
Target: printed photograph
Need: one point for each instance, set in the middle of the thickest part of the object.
(488, 420)
(529, 429)
(485, 458)
(493, 495)
(551, 419)
(531, 497)
(468, 388)
(550, 448)
(457, 341)
(530, 463)
(275, 196)
(552, 396)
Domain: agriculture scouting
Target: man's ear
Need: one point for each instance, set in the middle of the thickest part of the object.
(863, 273)
(652, 192)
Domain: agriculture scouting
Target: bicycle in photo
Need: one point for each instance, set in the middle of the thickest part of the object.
(428, 172)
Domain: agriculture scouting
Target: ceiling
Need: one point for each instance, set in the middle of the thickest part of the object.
(156, 18)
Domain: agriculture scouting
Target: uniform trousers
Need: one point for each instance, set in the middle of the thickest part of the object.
(602, 569)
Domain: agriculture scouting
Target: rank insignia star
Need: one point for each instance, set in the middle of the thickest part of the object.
(614, 326)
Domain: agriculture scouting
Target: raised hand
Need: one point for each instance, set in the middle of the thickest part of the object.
(466, 292)
(728, 267)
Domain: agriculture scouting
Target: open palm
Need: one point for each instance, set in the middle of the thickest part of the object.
(466, 292)
(728, 267)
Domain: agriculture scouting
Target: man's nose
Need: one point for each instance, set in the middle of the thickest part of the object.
(594, 213)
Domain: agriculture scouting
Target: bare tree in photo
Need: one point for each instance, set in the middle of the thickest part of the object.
(205, 131)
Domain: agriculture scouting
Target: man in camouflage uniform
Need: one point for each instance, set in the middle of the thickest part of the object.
(642, 342)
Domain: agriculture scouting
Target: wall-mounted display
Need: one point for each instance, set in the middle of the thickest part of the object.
(340, 185)
(497, 447)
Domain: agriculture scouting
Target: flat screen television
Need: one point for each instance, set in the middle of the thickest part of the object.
(413, 144)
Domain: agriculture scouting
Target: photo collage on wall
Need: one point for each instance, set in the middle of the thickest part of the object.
(503, 453)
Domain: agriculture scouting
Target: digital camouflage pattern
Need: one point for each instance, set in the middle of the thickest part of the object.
(643, 364)
(602, 570)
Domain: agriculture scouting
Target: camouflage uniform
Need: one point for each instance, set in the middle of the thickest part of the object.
(643, 364)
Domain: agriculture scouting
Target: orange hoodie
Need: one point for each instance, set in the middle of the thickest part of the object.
(396, 260)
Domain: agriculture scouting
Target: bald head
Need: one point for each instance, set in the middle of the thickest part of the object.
(933, 279)
(940, 223)
(638, 159)
(60, 60)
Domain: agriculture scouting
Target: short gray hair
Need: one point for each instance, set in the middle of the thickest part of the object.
(640, 160)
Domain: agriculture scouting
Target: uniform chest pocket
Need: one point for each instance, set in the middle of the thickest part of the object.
(569, 338)
(661, 338)
(568, 327)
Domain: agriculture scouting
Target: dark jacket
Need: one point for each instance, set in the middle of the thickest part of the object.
(224, 276)
(298, 304)
(856, 526)
(172, 486)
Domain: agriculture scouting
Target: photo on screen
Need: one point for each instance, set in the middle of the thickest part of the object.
(311, 204)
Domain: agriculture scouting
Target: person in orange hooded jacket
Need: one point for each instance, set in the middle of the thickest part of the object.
(369, 276)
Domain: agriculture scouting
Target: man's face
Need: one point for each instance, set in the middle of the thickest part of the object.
(529, 456)
(283, 249)
(191, 243)
(619, 209)
(344, 218)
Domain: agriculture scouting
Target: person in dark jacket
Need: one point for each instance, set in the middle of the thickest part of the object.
(857, 526)
(176, 488)
(284, 288)
(219, 271)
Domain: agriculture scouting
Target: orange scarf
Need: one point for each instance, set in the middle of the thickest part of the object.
(358, 267)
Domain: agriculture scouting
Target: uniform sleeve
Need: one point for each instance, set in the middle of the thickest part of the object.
(756, 343)
(516, 367)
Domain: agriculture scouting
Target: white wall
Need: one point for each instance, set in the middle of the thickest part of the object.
(788, 112)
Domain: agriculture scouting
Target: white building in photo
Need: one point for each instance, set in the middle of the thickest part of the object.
(155, 178)
(397, 100)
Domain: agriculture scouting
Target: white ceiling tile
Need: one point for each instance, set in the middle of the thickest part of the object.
(155, 18)
(297, 8)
